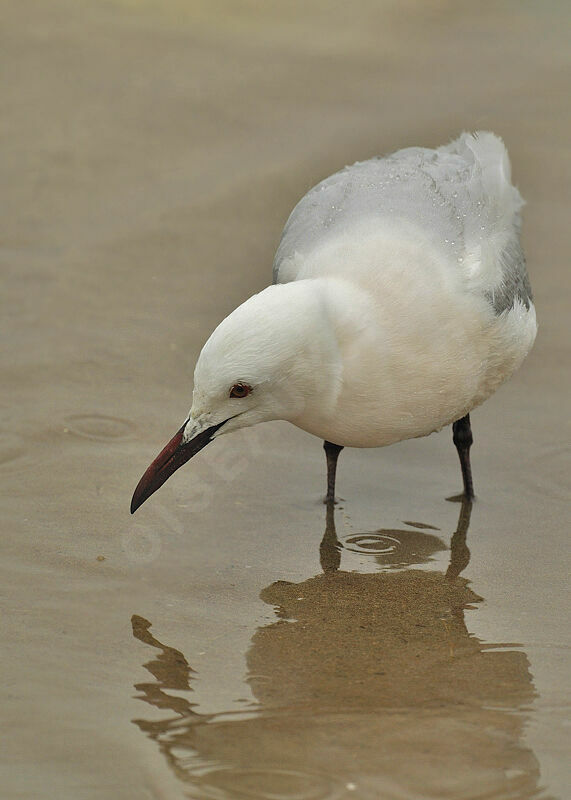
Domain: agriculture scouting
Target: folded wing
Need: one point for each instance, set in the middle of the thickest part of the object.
(459, 195)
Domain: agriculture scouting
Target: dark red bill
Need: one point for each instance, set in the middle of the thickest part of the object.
(171, 457)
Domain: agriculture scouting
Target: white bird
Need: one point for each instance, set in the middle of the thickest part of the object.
(400, 302)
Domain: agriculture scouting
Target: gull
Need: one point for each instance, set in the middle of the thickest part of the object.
(400, 302)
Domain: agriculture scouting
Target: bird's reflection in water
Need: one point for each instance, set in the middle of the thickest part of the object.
(391, 548)
(369, 686)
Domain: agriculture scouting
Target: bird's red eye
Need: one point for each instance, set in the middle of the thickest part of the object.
(240, 390)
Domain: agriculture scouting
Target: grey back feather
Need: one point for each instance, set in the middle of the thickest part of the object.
(459, 194)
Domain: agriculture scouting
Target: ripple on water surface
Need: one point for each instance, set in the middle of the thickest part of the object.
(395, 548)
(265, 784)
(99, 426)
(372, 543)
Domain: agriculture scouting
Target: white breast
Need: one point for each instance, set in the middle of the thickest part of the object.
(418, 348)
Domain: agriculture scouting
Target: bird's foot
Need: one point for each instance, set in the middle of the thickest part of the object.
(461, 498)
(332, 500)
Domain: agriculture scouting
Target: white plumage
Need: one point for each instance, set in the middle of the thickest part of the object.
(400, 302)
(459, 198)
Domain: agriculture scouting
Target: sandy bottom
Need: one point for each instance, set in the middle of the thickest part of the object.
(214, 646)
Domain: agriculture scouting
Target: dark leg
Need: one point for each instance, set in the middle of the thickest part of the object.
(330, 547)
(332, 454)
(462, 438)
(459, 552)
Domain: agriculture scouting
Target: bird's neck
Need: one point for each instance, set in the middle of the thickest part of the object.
(335, 315)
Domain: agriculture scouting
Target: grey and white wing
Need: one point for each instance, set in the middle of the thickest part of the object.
(460, 195)
(381, 188)
(489, 208)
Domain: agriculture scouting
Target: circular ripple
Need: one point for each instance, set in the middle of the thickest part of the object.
(266, 784)
(395, 548)
(371, 544)
(11, 447)
(100, 427)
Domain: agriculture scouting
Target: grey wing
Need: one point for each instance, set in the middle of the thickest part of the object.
(515, 280)
(381, 187)
(490, 210)
(460, 195)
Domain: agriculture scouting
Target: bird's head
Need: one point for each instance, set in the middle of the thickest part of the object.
(261, 363)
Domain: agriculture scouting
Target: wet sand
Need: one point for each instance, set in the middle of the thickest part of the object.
(218, 644)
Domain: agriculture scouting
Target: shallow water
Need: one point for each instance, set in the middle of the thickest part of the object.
(219, 644)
